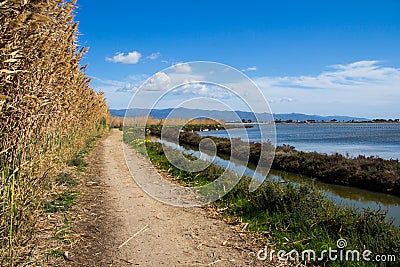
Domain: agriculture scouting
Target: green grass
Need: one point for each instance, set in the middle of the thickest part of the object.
(64, 230)
(56, 253)
(78, 162)
(300, 217)
(66, 179)
(295, 216)
(62, 202)
(67, 199)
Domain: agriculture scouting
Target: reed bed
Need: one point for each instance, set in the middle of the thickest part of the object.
(116, 122)
(47, 111)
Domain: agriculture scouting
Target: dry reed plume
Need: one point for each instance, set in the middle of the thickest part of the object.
(47, 111)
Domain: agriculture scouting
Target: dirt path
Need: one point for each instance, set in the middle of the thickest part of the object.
(123, 226)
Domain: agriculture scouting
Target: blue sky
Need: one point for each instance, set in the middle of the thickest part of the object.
(315, 57)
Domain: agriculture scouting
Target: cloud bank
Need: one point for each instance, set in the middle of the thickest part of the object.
(249, 69)
(130, 58)
(154, 56)
(362, 88)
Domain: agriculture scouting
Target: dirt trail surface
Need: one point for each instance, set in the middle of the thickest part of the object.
(123, 226)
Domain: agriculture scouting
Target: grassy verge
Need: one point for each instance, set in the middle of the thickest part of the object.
(295, 216)
(60, 207)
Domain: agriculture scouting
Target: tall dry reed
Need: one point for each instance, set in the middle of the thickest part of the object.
(47, 110)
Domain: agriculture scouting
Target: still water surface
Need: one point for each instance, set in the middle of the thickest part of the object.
(354, 139)
(370, 139)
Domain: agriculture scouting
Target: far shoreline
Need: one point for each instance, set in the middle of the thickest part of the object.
(315, 122)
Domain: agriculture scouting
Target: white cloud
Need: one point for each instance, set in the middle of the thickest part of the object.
(117, 93)
(357, 64)
(362, 88)
(203, 90)
(286, 99)
(159, 82)
(182, 68)
(250, 69)
(109, 83)
(113, 86)
(341, 77)
(154, 55)
(138, 77)
(130, 58)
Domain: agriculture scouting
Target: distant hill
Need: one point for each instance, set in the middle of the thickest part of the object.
(227, 115)
(304, 117)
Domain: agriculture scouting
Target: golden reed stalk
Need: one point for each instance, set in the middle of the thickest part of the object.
(47, 111)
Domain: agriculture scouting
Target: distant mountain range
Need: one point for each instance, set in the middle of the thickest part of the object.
(227, 115)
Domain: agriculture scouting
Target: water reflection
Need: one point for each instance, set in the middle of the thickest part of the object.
(342, 195)
(370, 139)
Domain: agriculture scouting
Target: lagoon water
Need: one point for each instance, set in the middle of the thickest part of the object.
(370, 139)
(341, 195)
